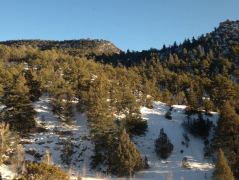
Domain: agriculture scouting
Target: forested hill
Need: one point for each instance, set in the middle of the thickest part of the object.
(47, 86)
(82, 46)
(192, 55)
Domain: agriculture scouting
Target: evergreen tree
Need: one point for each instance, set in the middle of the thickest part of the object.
(125, 159)
(163, 146)
(133, 121)
(228, 127)
(19, 112)
(34, 86)
(222, 170)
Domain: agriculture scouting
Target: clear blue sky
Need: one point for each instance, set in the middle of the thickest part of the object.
(130, 24)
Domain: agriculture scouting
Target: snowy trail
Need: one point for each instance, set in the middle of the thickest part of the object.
(160, 169)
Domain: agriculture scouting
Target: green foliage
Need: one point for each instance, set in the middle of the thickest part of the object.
(34, 86)
(125, 159)
(198, 73)
(222, 170)
(227, 134)
(19, 112)
(163, 146)
(42, 171)
(199, 127)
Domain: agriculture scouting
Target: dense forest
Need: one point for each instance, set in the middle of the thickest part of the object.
(202, 73)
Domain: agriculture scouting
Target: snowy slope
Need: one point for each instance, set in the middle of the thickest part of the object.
(77, 132)
(57, 131)
(171, 168)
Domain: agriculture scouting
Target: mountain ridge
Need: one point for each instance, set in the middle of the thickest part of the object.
(97, 46)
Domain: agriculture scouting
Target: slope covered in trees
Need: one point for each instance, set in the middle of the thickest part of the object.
(109, 86)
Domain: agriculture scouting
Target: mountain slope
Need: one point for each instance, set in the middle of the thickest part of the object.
(172, 167)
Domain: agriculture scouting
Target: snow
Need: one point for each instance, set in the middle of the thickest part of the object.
(36, 144)
(200, 168)
(57, 131)
(6, 173)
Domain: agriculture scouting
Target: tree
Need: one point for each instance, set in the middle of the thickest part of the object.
(125, 158)
(19, 112)
(222, 90)
(34, 86)
(163, 146)
(228, 126)
(222, 170)
(130, 107)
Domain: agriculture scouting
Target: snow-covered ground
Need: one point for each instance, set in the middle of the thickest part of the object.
(6, 172)
(52, 140)
(171, 168)
(77, 132)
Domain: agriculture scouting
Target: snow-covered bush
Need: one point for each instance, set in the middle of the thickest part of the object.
(163, 146)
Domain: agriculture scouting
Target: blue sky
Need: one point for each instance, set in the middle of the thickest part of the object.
(129, 24)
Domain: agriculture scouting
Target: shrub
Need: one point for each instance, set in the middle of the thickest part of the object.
(168, 115)
(135, 124)
(67, 151)
(42, 171)
(8, 141)
(163, 146)
(198, 127)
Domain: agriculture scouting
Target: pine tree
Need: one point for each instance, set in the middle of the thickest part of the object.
(125, 159)
(133, 121)
(163, 146)
(19, 112)
(228, 126)
(222, 170)
(34, 86)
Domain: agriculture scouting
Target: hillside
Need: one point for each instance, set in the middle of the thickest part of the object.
(83, 108)
(222, 43)
(77, 134)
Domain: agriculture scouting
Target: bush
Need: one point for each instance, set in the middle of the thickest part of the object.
(136, 125)
(198, 127)
(8, 142)
(163, 146)
(67, 151)
(42, 171)
(168, 115)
